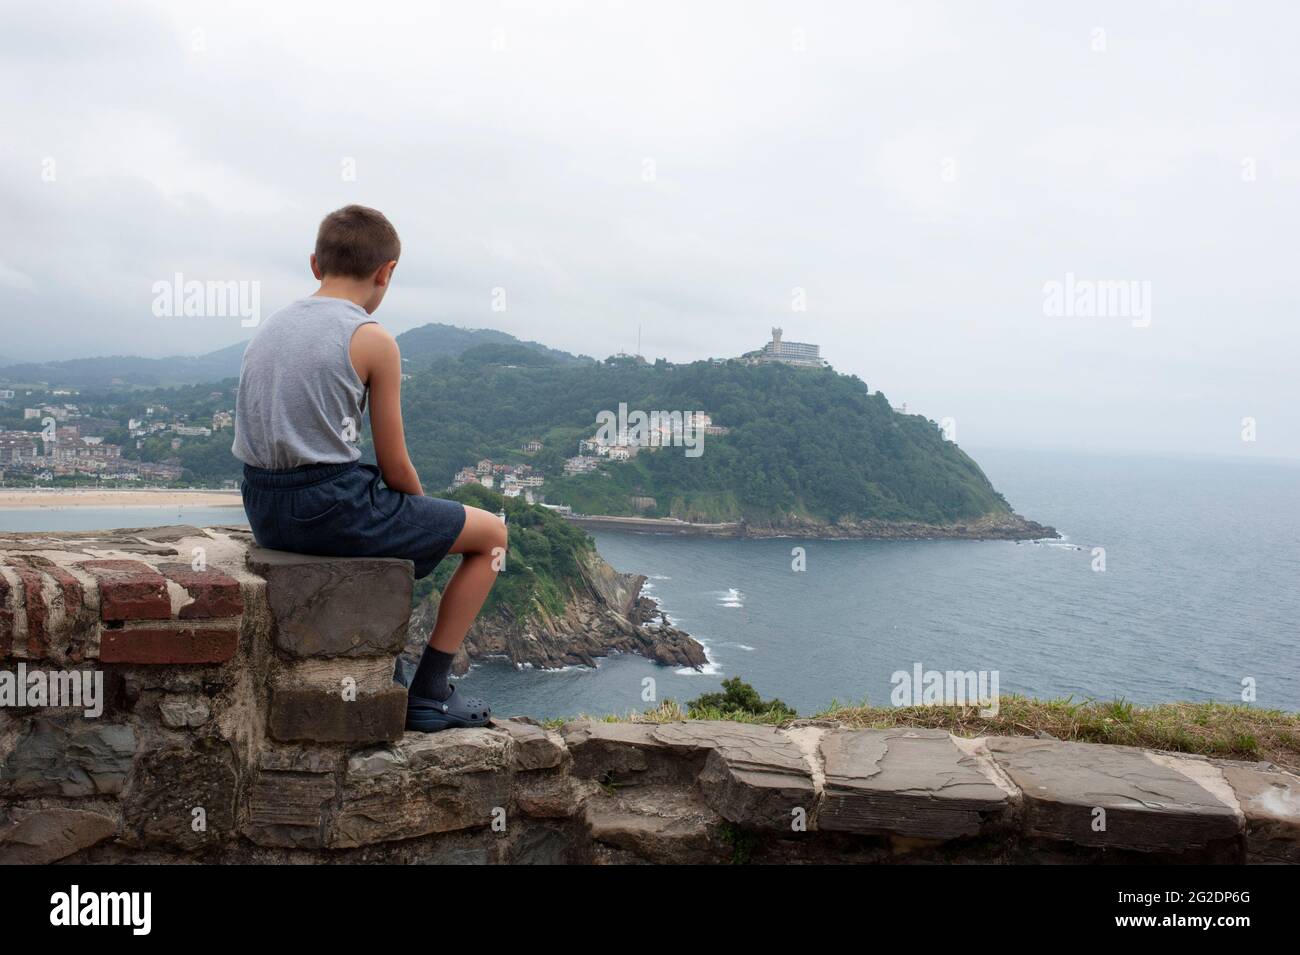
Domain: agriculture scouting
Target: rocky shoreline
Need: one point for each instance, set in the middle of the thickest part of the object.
(1010, 527)
(610, 615)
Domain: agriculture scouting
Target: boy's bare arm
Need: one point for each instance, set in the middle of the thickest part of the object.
(378, 362)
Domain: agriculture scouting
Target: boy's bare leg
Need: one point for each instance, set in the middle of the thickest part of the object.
(482, 544)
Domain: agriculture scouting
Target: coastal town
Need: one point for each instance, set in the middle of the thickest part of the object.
(660, 430)
(55, 436)
(58, 436)
(510, 480)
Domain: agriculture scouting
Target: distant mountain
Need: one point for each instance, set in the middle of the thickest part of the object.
(421, 347)
(128, 370)
(429, 343)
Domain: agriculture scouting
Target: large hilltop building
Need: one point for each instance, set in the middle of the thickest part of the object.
(789, 353)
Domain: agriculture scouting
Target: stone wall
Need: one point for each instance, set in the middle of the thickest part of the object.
(249, 714)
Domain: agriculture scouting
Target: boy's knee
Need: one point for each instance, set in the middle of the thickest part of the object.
(489, 533)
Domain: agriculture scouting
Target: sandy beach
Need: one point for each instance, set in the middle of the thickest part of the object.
(55, 499)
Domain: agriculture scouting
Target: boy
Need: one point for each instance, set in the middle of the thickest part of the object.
(306, 378)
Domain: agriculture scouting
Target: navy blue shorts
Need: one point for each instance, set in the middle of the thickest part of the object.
(345, 510)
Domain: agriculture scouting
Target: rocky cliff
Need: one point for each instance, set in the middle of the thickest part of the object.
(607, 614)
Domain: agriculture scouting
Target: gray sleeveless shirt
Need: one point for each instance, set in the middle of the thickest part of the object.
(300, 400)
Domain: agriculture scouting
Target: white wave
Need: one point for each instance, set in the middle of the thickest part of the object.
(731, 597)
(711, 666)
(563, 669)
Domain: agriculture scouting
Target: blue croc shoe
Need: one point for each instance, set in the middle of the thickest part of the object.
(428, 716)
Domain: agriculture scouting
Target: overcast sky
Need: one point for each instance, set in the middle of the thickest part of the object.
(920, 171)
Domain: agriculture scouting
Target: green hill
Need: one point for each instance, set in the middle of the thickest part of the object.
(805, 450)
(804, 445)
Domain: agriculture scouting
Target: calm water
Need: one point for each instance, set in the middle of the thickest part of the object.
(1199, 591)
(97, 518)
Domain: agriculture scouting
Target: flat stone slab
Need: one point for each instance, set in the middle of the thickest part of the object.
(627, 753)
(907, 782)
(1148, 806)
(753, 775)
(1270, 801)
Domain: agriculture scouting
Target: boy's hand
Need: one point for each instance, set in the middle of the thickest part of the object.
(378, 363)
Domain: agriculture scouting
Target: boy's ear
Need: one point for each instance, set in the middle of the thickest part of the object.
(384, 274)
(315, 269)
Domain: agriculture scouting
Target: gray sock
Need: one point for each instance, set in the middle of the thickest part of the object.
(430, 679)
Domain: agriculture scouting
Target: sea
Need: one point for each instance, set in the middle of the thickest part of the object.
(1177, 578)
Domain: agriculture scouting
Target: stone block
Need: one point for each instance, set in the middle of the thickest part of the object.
(78, 758)
(424, 783)
(754, 775)
(908, 782)
(39, 836)
(184, 796)
(329, 607)
(660, 824)
(534, 747)
(1270, 802)
(184, 712)
(628, 753)
(1148, 806)
(290, 809)
(341, 700)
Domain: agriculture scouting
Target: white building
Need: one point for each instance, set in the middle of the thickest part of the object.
(791, 353)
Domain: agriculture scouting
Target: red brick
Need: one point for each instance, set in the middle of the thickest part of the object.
(214, 594)
(130, 590)
(38, 640)
(32, 570)
(73, 594)
(6, 619)
(168, 645)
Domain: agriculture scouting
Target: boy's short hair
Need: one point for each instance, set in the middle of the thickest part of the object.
(354, 241)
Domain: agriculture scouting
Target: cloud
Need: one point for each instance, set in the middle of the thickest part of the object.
(920, 170)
